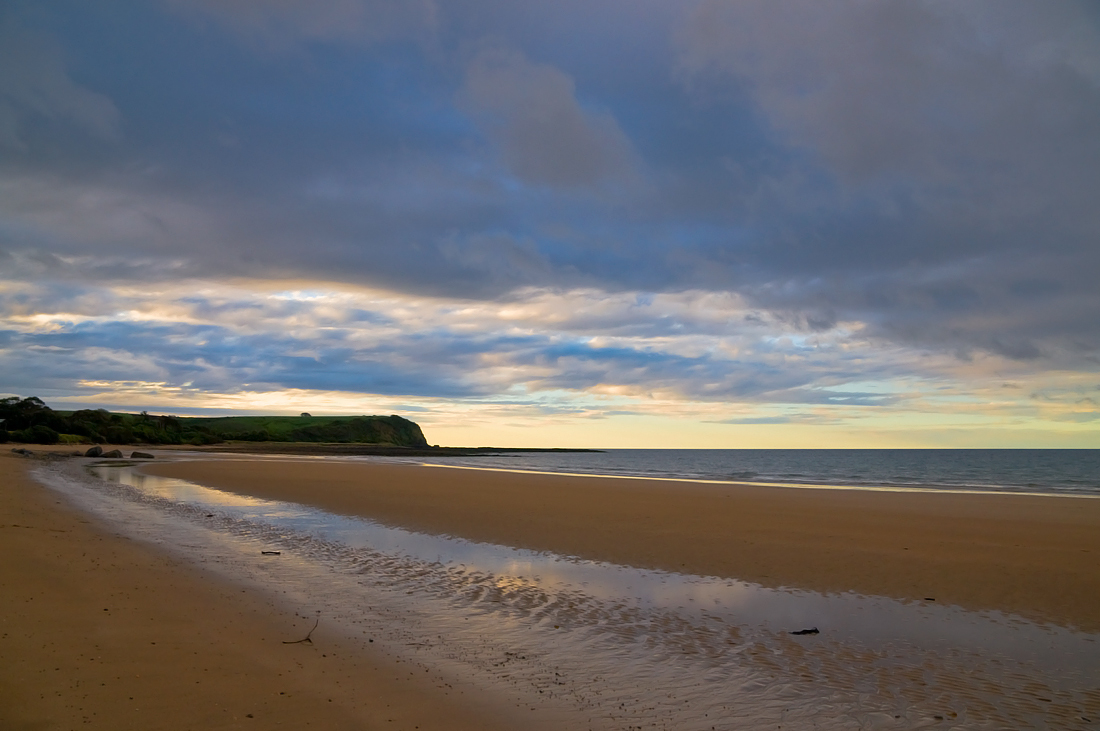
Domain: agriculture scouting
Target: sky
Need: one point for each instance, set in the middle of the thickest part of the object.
(702, 223)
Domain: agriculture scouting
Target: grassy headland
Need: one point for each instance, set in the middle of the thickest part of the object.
(31, 421)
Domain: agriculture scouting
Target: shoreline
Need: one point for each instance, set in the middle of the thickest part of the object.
(786, 485)
(1029, 485)
(320, 451)
(1023, 554)
(101, 631)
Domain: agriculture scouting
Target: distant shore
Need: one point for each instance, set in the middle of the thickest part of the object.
(1037, 556)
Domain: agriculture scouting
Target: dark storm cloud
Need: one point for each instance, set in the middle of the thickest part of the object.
(927, 169)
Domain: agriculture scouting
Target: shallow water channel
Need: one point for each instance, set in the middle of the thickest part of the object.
(593, 645)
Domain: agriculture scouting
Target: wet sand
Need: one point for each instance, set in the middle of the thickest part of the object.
(98, 631)
(1038, 557)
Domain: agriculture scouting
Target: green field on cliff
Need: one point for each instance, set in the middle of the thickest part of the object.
(394, 430)
(30, 420)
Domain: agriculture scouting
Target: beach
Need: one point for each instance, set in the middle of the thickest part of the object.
(1038, 557)
(106, 627)
(99, 631)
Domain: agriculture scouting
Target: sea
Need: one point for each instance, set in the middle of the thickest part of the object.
(1042, 471)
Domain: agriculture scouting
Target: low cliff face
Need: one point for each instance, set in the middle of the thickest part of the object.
(364, 430)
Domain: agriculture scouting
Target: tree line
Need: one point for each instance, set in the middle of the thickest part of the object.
(31, 421)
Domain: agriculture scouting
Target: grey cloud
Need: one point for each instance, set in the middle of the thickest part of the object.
(875, 83)
(1022, 305)
(963, 145)
(281, 22)
(113, 216)
(35, 86)
(502, 258)
(545, 135)
(1003, 105)
(787, 419)
(752, 377)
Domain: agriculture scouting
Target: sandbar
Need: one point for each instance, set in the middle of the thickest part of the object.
(1034, 556)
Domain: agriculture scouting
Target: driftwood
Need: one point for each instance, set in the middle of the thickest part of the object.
(305, 639)
(811, 631)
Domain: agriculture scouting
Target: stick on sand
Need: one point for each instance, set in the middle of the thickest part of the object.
(306, 638)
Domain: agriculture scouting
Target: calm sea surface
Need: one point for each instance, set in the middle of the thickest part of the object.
(1065, 471)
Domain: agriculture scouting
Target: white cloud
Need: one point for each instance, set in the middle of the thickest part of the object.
(542, 357)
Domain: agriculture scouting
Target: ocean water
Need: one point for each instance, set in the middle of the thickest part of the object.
(1062, 471)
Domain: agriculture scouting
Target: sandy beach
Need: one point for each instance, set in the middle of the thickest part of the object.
(110, 632)
(98, 631)
(1038, 557)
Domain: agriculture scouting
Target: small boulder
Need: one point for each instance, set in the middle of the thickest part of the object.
(96, 451)
(140, 455)
(113, 454)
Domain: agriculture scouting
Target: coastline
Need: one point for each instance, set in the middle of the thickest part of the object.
(101, 631)
(1073, 472)
(1035, 556)
(787, 485)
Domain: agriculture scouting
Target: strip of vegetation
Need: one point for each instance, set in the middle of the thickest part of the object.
(29, 420)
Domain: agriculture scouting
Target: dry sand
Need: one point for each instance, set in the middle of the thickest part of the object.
(97, 631)
(1035, 556)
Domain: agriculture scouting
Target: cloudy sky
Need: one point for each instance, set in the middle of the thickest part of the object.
(711, 223)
